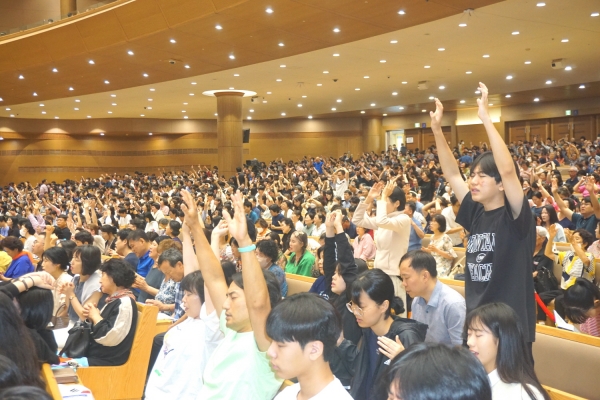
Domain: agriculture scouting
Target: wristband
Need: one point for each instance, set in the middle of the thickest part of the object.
(247, 248)
(24, 284)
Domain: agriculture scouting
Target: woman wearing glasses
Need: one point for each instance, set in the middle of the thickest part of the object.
(383, 335)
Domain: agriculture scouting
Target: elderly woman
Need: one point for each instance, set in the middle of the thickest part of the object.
(113, 327)
(55, 261)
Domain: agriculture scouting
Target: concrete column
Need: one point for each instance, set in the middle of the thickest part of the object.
(372, 134)
(68, 6)
(229, 132)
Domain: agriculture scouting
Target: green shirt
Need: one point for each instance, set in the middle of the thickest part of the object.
(238, 369)
(304, 267)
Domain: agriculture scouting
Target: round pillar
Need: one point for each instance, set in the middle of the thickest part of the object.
(67, 6)
(229, 129)
(372, 134)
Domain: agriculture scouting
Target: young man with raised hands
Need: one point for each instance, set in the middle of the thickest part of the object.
(239, 367)
(305, 329)
(501, 227)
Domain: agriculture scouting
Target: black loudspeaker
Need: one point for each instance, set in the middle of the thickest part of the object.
(246, 133)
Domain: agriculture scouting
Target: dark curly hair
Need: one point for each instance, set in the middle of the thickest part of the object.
(119, 271)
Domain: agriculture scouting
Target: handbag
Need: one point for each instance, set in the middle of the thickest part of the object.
(545, 281)
(57, 322)
(79, 340)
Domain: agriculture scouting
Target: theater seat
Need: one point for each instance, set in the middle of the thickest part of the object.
(125, 381)
(556, 394)
(298, 283)
(459, 286)
(567, 361)
(51, 384)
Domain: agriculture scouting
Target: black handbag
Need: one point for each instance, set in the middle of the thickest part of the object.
(79, 340)
(545, 281)
(57, 322)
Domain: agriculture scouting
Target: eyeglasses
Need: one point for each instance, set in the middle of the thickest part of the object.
(354, 309)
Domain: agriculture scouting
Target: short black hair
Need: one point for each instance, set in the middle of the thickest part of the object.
(91, 258)
(120, 272)
(486, 163)
(398, 195)
(138, 234)
(124, 234)
(579, 299)
(138, 223)
(420, 260)
(379, 287)
(269, 249)
(36, 306)
(272, 286)
(304, 318)
(432, 371)
(441, 220)
(84, 237)
(175, 227)
(13, 243)
(24, 393)
(108, 229)
(193, 283)
(57, 255)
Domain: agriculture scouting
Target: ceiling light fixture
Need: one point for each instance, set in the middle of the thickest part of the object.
(427, 66)
(527, 62)
(182, 111)
(385, 115)
(304, 96)
(382, 61)
(113, 95)
(565, 40)
(54, 70)
(283, 114)
(509, 77)
(106, 82)
(173, 41)
(21, 77)
(508, 96)
(310, 117)
(269, 92)
(394, 93)
(319, 84)
(148, 108)
(236, 74)
(281, 44)
(568, 68)
(76, 109)
(333, 108)
(336, 30)
(218, 27)
(249, 117)
(282, 66)
(113, 104)
(193, 83)
(393, 41)
(548, 82)
(299, 105)
(145, 75)
(581, 86)
(110, 112)
(325, 72)
(462, 25)
(149, 99)
(142, 115)
(400, 108)
(404, 82)
(191, 94)
(278, 80)
(469, 72)
(77, 101)
(431, 97)
(12, 115)
(402, 12)
(130, 52)
(441, 49)
(34, 93)
(372, 104)
(462, 102)
(41, 105)
(43, 112)
(515, 33)
(541, 4)
(423, 110)
(362, 112)
(185, 117)
(149, 133)
(366, 76)
(486, 56)
(71, 88)
(490, 104)
(536, 99)
(7, 108)
(101, 133)
(251, 110)
(91, 62)
(231, 57)
(269, 10)
(339, 100)
(336, 55)
(186, 66)
(357, 89)
(594, 14)
(442, 87)
(89, 116)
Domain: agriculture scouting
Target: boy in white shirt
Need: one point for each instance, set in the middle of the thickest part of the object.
(305, 329)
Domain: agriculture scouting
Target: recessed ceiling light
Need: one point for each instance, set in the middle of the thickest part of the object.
(366, 76)
(113, 95)
(548, 82)
(269, 10)
(278, 80)
(336, 55)
(71, 88)
(1, 99)
(477, 91)
(110, 112)
(401, 12)
(509, 77)
(185, 117)
(515, 33)
(508, 96)
(441, 49)
(462, 102)
(385, 115)
(423, 110)
(43, 112)
(339, 100)
(101, 133)
(21, 77)
(7, 108)
(304, 96)
(76, 109)
(581, 86)
(106, 82)
(89, 116)
(400, 108)
(394, 93)
(173, 41)
(149, 133)
(442, 87)
(382, 61)
(372, 104)
(469, 72)
(281, 44)
(145, 75)
(148, 108)
(41, 105)
(527, 62)
(431, 97)
(536, 99)
(310, 117)
(232, 57)
(283, 114)
(568, 68)
(186, 66)
(193, 83)
(362, 112)
(249, 117)
(54, 70)
(130, 52)
(404, 82)
(462, 25)
(269, 92)
(486, 56)
(336, 30)
(299, 105)
(490, 104)
(34, 93)
(319, 84)
(393, 41)
(357, 89)
(182, 111)
(427, 66)
(91, 62)
(251, 110)
(564, 40)
(218, 27)
(333, 108)
(282, 66)
(325, 72)
(540, 4)
(231, 88)
(191, 94)
(185, 104)
(12, 115)
(264, 101)
(142, 115)
(594, 14)
(113, 104)
(216, 114)
(77, 101)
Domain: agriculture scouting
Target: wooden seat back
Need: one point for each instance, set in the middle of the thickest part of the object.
(125, 381)
(51, 384)
(459, 286)
(298, 283)
(556, 394)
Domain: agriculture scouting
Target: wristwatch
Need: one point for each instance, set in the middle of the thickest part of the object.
(71, 298)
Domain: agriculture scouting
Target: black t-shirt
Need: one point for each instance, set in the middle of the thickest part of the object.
(427, 189)
(62, 233)
(499, 256)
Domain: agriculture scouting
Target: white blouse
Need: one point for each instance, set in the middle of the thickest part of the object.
(513, 391)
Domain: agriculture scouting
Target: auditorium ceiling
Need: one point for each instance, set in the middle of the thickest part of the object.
(308, 58)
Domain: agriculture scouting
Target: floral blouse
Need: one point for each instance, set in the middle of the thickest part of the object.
(166, 293)
(444, 243)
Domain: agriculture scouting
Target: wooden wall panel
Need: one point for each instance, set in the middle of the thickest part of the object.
(517, 131)
(583, 126)
(539, 128)
(473, 133)
(561, 127)
(415, 134)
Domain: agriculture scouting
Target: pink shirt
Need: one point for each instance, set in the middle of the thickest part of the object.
(364, 247)
(591, 326)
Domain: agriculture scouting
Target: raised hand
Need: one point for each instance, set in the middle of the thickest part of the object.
(552, 231)
(189, 209)
(590, 184)
(330, 220)
(221, 230)
(389, 188)
(375, 191)
(483, 103)
(436, 117)
(237, 224)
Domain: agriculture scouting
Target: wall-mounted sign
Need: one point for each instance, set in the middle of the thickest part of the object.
(409, 139)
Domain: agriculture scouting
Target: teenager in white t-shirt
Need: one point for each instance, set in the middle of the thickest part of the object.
(301, 348)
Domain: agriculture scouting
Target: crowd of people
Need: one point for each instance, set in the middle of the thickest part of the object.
(212, 254)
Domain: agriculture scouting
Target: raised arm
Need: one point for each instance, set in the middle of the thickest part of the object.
(502, 157)
(208, 263)
(190, 262)
(551, 233)
(559, 202)
(447, 161)
(590, 185)
(256, 291)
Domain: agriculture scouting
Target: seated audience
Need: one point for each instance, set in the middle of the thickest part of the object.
(36, 306)
(440, 246)
(435, 304)
(21, 263)
(140, 245)
(9, 373)
(267, 254)
(301, 260)
(495, 337)
(363, 245)
(582, 306)
(56, 262)
(576, 263)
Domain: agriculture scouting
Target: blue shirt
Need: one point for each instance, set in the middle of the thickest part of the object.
(444, 314)
(145, 264)
(318, 166)
(4, 231)
(253, 216)
(19, 267)
(280, 275)
(414, 241)
(275, 221)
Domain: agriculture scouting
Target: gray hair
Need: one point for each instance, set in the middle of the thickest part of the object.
(172, 255)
